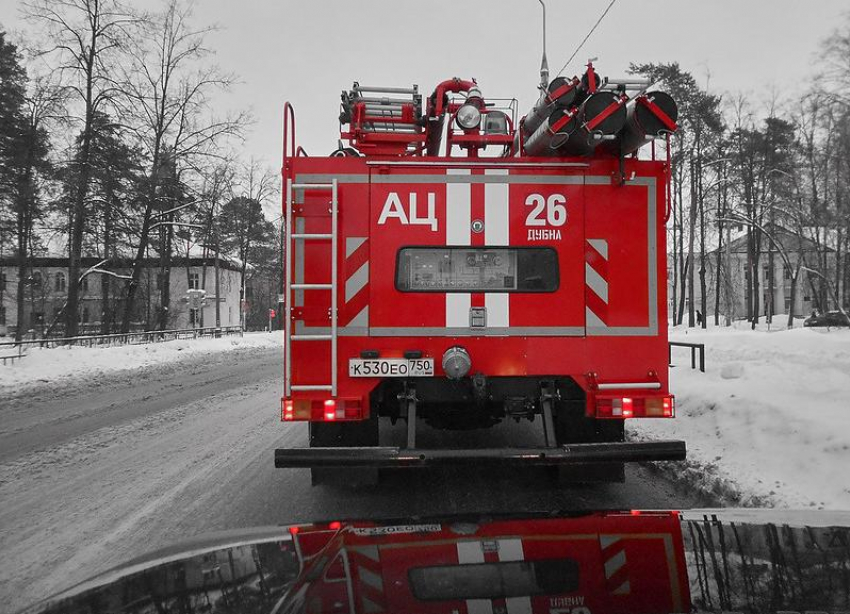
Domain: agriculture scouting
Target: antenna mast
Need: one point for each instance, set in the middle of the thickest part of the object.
(544, 64)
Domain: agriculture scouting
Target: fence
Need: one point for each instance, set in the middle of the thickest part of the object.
(135, 338)
(11, 354)
(694, 347)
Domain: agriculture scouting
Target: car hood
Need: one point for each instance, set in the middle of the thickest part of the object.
(611, 561)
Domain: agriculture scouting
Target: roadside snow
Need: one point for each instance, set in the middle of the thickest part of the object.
(769, 420)
(66, 364)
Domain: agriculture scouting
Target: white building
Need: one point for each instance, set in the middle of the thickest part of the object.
(775, 279)
(45, 291)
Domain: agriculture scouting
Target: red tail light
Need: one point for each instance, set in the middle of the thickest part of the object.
(635, 407)
(321, 410)
(335, 525)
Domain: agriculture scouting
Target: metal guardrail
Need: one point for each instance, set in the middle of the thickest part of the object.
(693, 347)
(13, 356)
(135, 338)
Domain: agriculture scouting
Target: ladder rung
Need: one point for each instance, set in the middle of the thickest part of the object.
(312, 186)
(312, 286)
(311, 337)
(305, 387)
(302, 235)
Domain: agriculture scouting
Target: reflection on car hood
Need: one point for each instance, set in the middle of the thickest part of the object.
(592, 563)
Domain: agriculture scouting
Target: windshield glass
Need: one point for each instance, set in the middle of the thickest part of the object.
(438, 307)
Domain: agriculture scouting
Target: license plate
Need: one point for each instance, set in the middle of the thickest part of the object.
(390, 367)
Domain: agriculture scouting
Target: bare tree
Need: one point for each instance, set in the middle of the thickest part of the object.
(86, 36)
(169, 92)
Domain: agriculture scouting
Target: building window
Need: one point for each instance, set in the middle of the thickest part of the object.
(36, 279)
(787, 273)
(37, 319)
(787, 304)
(3, 280)
(84, 285)
(59, 282)
(194, 317)
(194, 281)
(85, 315)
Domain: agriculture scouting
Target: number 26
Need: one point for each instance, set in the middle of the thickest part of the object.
(556, 211)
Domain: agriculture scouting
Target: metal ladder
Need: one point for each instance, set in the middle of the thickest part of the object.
(291, 237)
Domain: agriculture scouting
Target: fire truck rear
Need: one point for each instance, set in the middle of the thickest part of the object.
(456, 266)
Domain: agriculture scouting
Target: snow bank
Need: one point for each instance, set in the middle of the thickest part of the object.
(769, 420)
(66, 364)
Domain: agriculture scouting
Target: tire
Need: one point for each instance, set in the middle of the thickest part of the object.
(573, 426)
(360, 434)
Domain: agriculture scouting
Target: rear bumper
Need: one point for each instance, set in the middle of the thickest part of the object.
(620, 452)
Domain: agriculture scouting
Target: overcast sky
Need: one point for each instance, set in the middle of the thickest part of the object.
(307, 51)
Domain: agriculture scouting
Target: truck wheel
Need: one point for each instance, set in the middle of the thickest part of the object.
(572, 426)
(363, 433)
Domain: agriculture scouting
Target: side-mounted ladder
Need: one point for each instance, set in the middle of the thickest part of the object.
(291, 237)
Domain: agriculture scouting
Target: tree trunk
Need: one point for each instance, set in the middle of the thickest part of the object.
(218, 286)
(729, 288)
(692, 222)
(165, 276)
(105, 299)
(794, 277)
(78, 224)
(718, 273)
(755, 280)
(702, 284)
(139, 262)
(22, 275)
(675, 250)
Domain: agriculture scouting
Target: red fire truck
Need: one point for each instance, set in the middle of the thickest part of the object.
(455, 265)
(593, 563)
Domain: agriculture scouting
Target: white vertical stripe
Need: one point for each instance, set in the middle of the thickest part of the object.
(457, 309)
(496, 223)
(498, 309)
(511, 550)
(470, 552)
(458, 229)
(518, 605)
(479, 606)
(458, 209)
(497, 232)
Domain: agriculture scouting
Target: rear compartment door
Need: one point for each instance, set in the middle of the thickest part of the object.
(507, 243)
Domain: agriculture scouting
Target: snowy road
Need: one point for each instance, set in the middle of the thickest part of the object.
(95, 474)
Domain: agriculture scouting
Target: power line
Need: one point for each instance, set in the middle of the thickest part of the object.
(598, 21)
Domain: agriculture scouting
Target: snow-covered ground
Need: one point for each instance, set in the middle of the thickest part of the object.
(64, 365)
(768, 423)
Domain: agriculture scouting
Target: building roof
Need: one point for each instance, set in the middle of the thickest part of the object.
(122, 263)
(789, 241)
